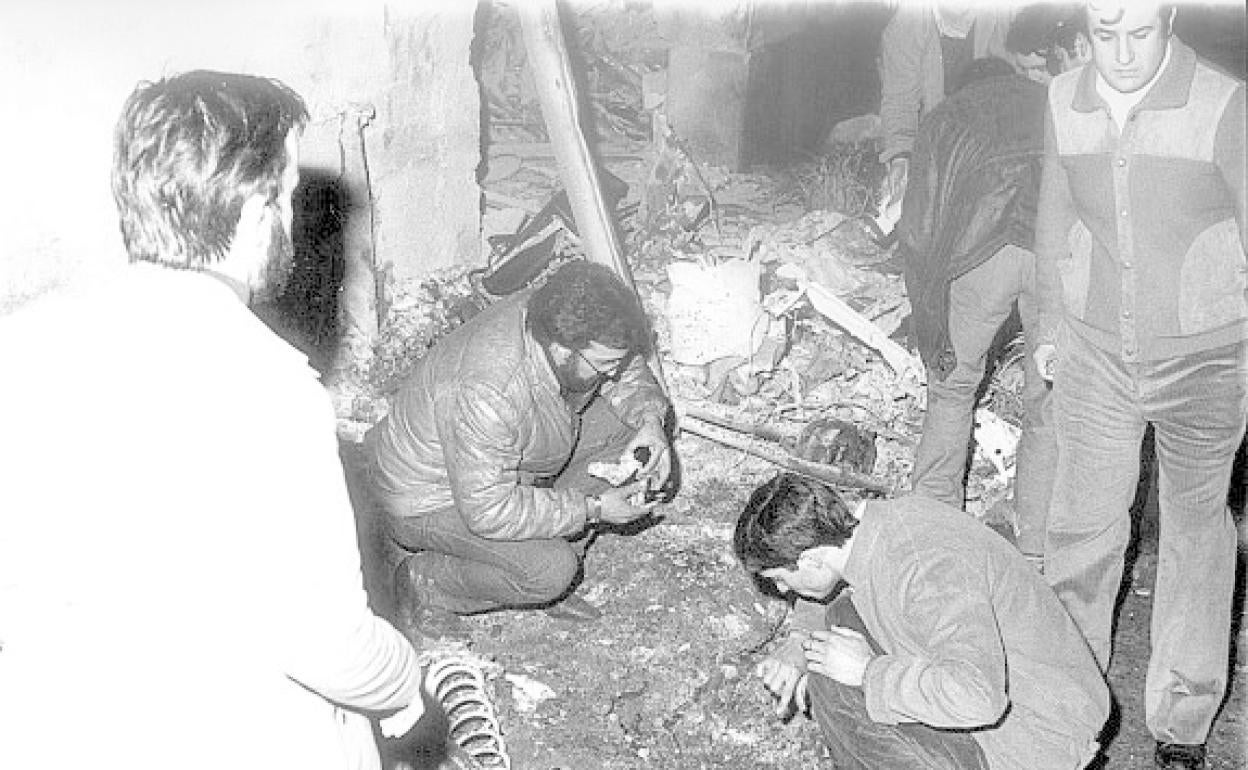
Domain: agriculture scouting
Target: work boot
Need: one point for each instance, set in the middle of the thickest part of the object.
(1180, 756)
(574, 608)
(417, 610)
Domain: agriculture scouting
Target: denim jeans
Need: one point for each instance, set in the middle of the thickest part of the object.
(476, 574)
(979, 303)
(857, 742)
(1197, 405)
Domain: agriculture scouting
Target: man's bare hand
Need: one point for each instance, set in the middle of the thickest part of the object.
(402, 721)
(840, 654)
(787, 684)
(617, 505)
(1046, 361)
(896, 181)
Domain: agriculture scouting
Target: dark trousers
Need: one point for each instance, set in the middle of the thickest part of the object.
(476, 574)
(856, 742)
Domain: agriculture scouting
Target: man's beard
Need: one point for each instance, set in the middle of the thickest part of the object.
(572, 382)
(278, 265)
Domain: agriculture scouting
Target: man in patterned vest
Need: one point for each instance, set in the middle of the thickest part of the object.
(1144, 320)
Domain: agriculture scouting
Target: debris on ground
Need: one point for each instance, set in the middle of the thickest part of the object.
(781, 321)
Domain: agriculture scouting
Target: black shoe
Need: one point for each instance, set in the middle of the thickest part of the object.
(1180, 756)
(417, 613)
(574, 608)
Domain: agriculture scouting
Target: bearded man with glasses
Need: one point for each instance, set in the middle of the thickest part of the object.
(481, 465)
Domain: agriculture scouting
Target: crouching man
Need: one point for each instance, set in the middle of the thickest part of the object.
(961, 657)
(480, 466)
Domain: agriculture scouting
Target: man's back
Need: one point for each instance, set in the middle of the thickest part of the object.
(175, 538)
(974, 183)
(972, 633)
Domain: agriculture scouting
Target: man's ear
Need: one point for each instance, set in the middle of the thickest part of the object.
(807, 558)
(254, 225)
(1083, 48)
(559, 353)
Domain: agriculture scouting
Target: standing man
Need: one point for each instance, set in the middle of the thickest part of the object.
(180, 582)
(951, 653)
(966, 236)
(923, 49)
(1144, 297)
(480, 466)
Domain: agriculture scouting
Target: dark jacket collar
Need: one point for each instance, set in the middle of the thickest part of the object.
(1171, 90)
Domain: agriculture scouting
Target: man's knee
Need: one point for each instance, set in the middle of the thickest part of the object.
(833, 703)
(547, 578)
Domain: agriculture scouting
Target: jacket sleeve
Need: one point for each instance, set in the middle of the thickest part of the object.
(636, 395)
(1055, 215)
(911, 75)
(480, 433)
(959, 681)
(331, 641)
(1230, 157)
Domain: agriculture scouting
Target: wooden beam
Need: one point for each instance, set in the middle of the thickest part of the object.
(828, 474)
(556, 89)
(552, 73)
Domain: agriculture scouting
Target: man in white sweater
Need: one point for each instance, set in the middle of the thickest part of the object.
(180, 582)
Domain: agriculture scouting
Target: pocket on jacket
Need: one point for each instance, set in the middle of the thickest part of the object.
(1075, 270)
(1213, 282)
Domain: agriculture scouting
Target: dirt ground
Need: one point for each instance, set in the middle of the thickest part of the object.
(664, 680)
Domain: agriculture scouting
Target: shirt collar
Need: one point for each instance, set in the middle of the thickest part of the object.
(1168, 90)
(863, 542)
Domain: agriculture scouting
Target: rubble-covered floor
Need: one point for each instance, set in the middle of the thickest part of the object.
(664, 679)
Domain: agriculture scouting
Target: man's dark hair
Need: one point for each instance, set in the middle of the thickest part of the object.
(786, 516)
(189, 150)
(982, 69)
(1042, 27)
(584, 302)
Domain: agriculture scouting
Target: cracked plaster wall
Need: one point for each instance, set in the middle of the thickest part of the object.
(66, 67)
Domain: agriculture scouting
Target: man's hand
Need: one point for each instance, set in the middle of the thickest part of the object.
(1046, 361)
(840, 654)
(616, 507)
(896, 181)
(659, 465)
(400, 722)
(787, 684)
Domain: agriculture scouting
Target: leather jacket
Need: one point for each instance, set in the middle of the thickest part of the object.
(481, 418)
(973, 187)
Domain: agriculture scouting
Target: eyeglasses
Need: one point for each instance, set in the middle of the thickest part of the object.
(610, 375)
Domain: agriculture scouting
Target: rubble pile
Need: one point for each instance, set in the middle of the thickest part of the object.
(781, 321)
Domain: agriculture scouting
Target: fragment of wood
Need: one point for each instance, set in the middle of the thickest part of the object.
(828, 474)
(358, 306)
(508, 202)
(838, 312)
(548, 60)
(539, 150)
(770, 432)
(552, 75)
(759, 429)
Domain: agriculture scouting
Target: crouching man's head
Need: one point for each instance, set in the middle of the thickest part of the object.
(589, 323)
(796, 533)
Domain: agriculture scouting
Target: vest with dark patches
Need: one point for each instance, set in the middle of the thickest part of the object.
(1156, 264)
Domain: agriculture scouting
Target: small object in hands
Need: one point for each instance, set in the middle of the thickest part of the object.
(459, 687)
(1050, 368)
(837, 442)
(618, 474)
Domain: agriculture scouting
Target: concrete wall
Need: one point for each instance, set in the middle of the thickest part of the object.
(66, 66)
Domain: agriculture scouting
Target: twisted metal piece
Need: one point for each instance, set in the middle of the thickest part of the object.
(459, 687)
